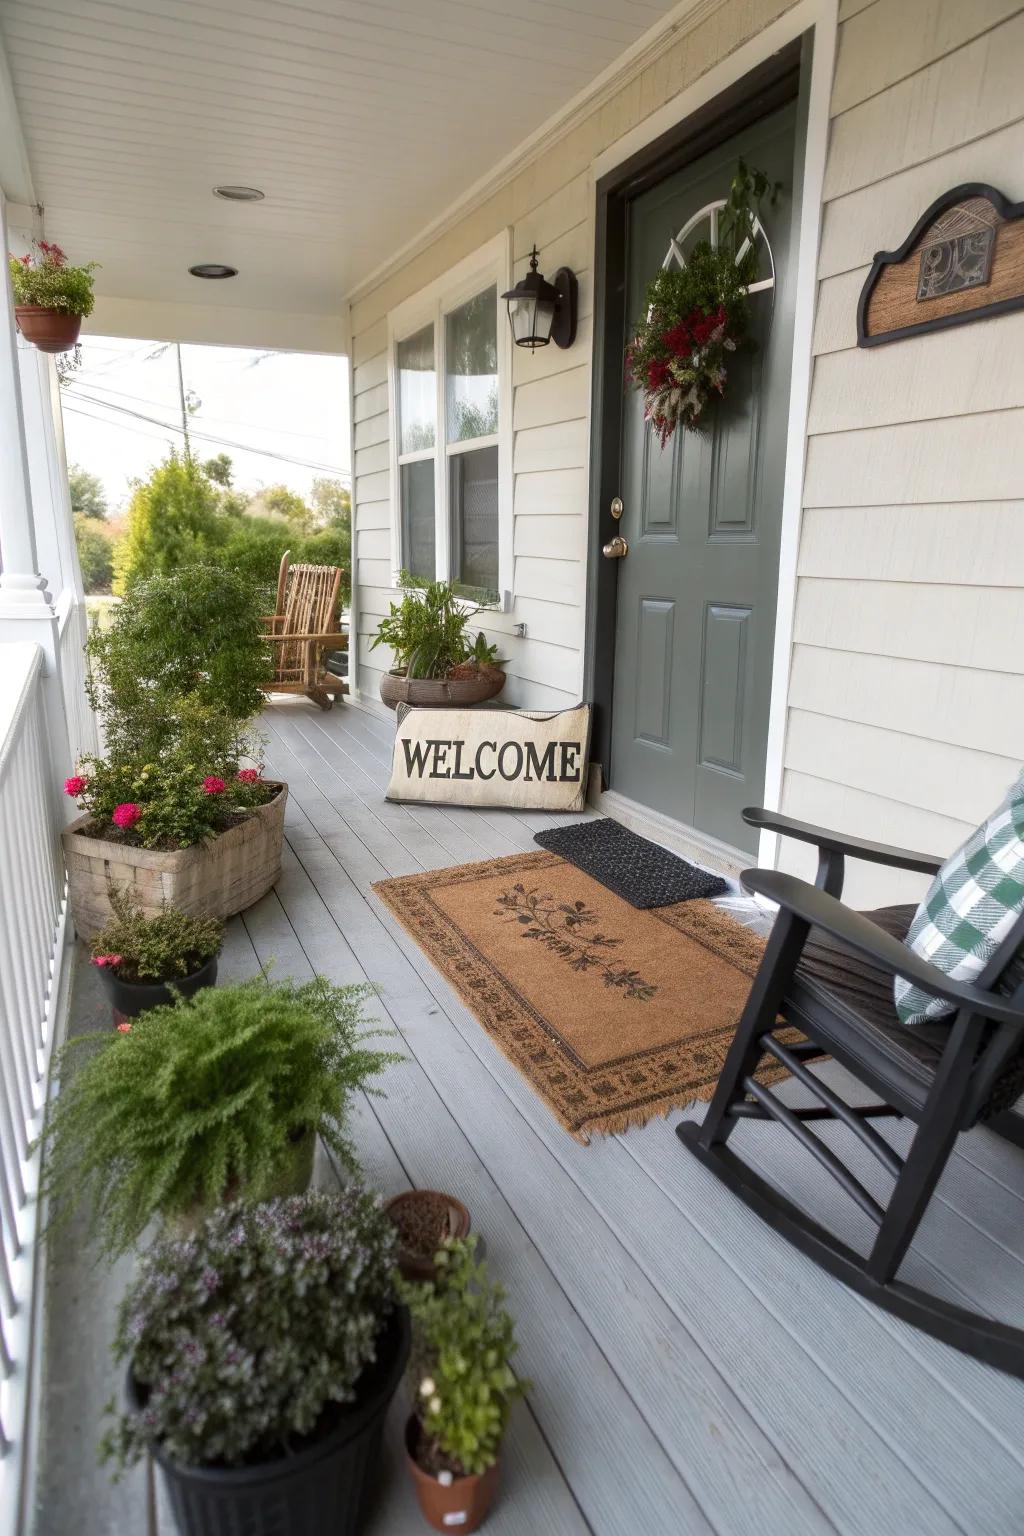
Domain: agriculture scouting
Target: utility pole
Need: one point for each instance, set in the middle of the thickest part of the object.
(184, 404)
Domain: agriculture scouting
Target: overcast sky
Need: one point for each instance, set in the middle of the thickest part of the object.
(292, 406)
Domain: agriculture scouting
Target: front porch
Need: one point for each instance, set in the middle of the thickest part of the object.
(691, 1371)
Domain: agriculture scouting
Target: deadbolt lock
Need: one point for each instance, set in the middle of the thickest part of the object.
(616, 508)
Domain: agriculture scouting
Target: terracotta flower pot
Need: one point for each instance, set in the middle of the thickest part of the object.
(51, 330)
(461, 1506)
(417, 1209)
(441, 692)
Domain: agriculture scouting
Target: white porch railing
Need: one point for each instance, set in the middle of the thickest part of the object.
(73, 631)
(33, 917)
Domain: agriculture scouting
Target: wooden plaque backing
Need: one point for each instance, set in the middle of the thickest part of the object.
(962, 261)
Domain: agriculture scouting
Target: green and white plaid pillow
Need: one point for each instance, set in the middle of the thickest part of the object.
(970, 907)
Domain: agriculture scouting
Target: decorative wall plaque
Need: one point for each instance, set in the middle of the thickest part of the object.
(963, 260)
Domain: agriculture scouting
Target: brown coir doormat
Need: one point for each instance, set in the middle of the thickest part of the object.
(614, 1015)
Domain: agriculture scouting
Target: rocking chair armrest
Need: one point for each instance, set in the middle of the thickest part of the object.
(861, 934)
(307, 639)
(835, 842)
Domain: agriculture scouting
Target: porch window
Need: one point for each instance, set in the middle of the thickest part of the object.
(451, 441)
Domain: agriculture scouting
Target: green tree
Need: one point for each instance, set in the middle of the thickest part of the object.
(279, 501)
(95, 554)
(87, 496)
(219, 470)
(173, 520)
(332, 501)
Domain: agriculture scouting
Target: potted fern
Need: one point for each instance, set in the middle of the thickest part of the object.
(51, 297)
(435, 661)
(141, 959)
(220, 1096)
(262, 1355)
(463, 1340)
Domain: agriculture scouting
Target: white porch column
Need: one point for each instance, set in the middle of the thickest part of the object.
(27, 610)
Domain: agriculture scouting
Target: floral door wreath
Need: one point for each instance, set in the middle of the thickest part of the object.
(697, 311)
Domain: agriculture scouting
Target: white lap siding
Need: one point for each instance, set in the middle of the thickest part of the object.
(906, 700)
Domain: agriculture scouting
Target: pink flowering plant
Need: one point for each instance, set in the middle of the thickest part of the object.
(169, 802)
(697, 317)
(45, 277)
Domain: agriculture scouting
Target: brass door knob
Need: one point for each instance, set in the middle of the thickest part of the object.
(616, 549)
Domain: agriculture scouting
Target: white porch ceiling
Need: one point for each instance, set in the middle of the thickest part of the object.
(362, 120)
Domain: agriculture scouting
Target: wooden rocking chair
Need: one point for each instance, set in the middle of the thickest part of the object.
(303, 628)
(828, 971)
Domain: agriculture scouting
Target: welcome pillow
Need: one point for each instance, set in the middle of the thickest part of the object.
(519, 759)
(971, 905)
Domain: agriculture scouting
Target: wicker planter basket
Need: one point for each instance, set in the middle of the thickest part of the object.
(215, 879)
(440, 693)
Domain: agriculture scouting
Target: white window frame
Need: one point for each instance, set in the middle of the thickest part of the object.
(491, 264)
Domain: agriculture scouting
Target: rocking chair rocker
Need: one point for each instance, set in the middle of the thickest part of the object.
(303, 628)
(828, 971)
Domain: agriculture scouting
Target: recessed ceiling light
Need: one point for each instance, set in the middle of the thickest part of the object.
(213, 269)
(240, 194)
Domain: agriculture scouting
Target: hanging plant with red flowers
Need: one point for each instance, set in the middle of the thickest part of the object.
(696, 316)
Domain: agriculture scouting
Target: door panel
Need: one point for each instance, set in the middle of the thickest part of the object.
(696, 594)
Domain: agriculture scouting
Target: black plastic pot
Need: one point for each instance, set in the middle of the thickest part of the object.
(130, 998)
(322, 1490)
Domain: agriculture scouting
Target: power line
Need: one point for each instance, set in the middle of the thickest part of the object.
(206, 437)
(82, 379)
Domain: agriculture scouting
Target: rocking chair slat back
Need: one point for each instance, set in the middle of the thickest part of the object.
(304, 625)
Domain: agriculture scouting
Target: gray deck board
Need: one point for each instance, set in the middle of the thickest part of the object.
(692, 1372)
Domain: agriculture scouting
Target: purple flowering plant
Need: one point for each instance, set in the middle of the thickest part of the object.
(241, 1337)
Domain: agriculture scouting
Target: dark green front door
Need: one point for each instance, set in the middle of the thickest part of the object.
(697, 591)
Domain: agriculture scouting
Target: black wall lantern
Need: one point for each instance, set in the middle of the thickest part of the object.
(540, 311)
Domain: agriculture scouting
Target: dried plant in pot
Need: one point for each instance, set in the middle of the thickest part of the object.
(218, 1097)
(51, 297)
(436, 663)
(463, 1341)
(262, 1355)
(146, 962)
(424, 1220)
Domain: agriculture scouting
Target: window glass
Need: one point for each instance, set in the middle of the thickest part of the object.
(473, 504)
(471, 367)
(417, 391)
(418, 549)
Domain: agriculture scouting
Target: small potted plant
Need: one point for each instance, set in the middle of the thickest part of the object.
(51, 298)
(218, 1097)
(424, 1219)
(262, 1355)
(463, 1340)
(140, 959)
(436, 663)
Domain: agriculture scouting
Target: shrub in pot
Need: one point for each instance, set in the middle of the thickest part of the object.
(177, 809)
(262, 1354)
(436, 663)
(463, 1340)
(219, 1096)
(51, 297)
(140, 958)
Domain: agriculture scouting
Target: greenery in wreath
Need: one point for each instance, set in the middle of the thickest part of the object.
(696, 316)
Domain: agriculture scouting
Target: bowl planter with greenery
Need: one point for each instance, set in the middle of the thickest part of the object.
(177, 810)
(436, 662)
(463, 1340)
(424, 1220)
(140, 958)
(262, 1355)
(218, 1097)
(51, 298)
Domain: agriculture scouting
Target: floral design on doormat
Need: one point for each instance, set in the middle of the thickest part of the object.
(559, 926)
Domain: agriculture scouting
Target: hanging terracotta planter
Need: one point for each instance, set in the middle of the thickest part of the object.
(51, 297)
(51, 330)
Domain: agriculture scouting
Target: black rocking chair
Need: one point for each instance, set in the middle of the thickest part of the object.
(827, 971)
